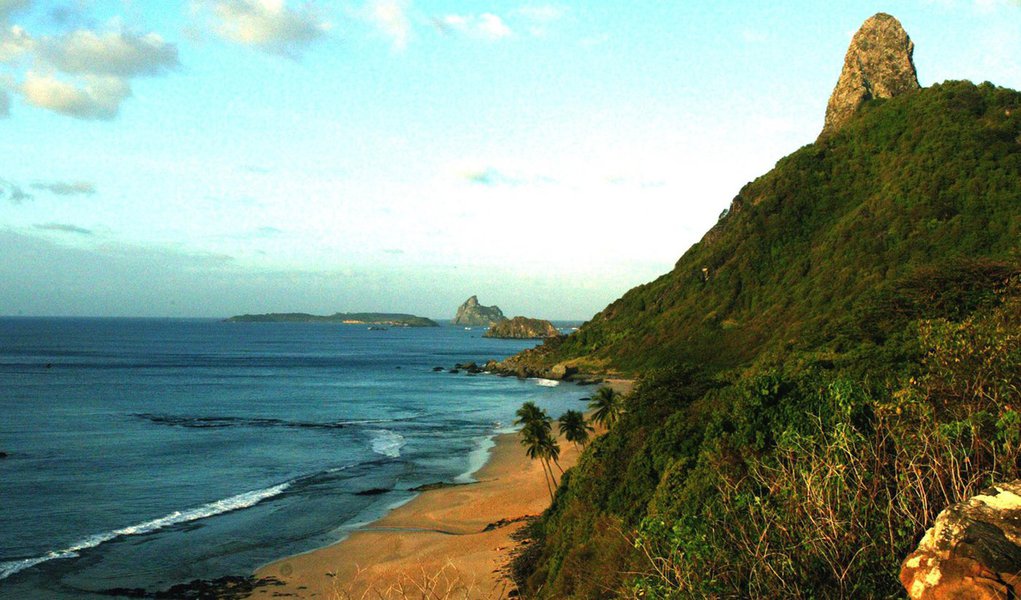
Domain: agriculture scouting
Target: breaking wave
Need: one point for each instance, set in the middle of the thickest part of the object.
(218, 507)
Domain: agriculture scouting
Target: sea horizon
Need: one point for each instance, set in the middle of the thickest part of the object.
(147, 452)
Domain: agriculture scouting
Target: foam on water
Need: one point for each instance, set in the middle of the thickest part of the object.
(218, 507)
(477, 458)
(388, 443)
(546, 382)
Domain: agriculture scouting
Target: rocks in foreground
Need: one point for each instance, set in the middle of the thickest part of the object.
(972, 551)
(523, 328)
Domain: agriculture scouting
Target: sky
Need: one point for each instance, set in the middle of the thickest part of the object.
(204, 158)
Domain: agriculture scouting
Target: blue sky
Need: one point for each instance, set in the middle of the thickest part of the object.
(214, 157)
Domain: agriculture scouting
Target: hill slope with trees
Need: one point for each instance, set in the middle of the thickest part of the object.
(837, 360)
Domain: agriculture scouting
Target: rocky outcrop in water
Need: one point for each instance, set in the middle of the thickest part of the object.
(473, 314)
(972, 551)
(523, 328)
(878, 64)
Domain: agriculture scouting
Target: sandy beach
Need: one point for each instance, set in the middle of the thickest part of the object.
(450, 542)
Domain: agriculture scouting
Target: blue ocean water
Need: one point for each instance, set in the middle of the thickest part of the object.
(146, 453)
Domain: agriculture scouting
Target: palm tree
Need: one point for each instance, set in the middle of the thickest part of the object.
(537, 438)
(551, 450)
(607, 406)
(534, 441)
(530, 413)
(575, 428)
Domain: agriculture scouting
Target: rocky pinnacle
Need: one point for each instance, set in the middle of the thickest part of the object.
(877, 65)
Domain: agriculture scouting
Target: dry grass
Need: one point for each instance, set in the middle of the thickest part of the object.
(446, 583)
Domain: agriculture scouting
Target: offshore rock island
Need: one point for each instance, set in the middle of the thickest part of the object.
(473, 314)
(522, 328)
(383, 319)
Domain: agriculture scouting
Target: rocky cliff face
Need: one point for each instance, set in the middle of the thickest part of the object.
(523, 328)
(878, 64)
(473, 314)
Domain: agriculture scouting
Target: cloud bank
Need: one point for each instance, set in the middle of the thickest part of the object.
(268, 25)
(65, 188)
(84, 73)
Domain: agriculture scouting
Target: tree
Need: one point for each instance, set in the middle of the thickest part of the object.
(607, 406)
(537, 438)
(574, 427)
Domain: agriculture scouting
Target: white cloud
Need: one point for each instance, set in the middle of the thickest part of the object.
(67, 188)
(270, 25)
(9, 6)
(486, 26)
(13, 192)
(493, 26)
(63, 228)
(116, 53)
(14, 44)
(545, 13)
(5, 104)
(98, 66)
(391, 18)
(99, 98)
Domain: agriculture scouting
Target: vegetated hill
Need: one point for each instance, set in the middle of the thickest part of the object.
(911, 184)
(837, 360)
(391, 319)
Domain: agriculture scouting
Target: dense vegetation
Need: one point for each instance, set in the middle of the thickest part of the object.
(834, 363)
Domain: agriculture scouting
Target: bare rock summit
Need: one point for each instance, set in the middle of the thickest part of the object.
(473, 314)
(878, 64)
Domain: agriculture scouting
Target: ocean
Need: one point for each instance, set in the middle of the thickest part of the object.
(144, 453)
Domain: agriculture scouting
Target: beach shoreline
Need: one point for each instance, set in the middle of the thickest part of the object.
(454, 541)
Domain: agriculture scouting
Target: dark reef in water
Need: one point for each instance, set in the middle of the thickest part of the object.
(231, 587)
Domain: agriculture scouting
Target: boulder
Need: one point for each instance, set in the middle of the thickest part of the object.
(972, 551)
(878, 64)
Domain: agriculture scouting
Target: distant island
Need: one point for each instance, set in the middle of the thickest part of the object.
(473, 314)
(388, 319)
(522, 328)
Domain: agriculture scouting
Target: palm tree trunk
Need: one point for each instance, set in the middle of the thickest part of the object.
(551, 473)
(546, 478)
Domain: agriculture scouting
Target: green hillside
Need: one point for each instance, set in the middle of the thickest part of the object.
(813, 373)
(913, 183)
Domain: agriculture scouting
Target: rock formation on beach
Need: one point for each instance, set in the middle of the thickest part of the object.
(523, 328)
(973, 550)
(473, 314)
(878, 64)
